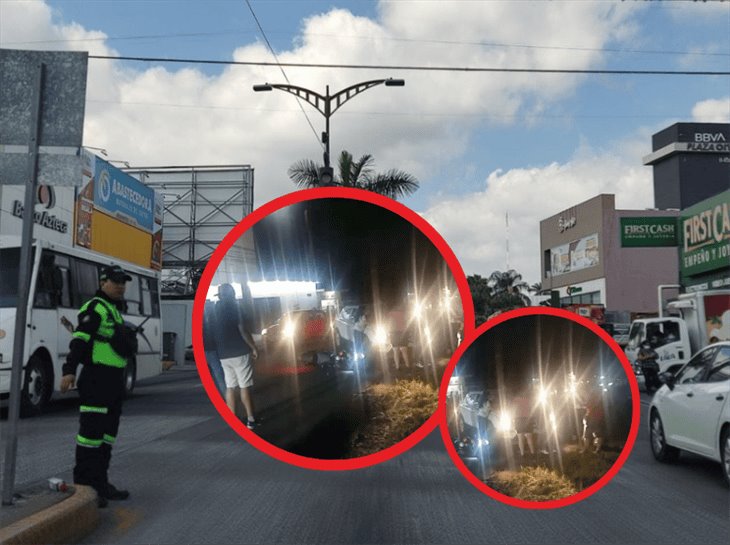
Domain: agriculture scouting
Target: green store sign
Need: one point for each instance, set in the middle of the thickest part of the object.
(705, 236)
(643, 232)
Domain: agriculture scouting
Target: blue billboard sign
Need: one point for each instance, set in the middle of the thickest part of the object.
(123, 197)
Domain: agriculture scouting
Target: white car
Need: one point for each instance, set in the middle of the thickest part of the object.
(691, 411)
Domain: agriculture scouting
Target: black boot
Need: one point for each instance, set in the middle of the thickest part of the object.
(111, 492)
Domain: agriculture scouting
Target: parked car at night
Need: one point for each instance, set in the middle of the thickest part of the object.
(347, 322)
(472, 408)
(306, 331)
(691, 411)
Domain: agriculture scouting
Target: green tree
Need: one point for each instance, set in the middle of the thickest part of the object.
(535, 288)
(359, 174)
(501, 292)
(509, 283)
(481, 294)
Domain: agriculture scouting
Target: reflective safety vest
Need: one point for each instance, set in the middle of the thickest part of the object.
(102, 352)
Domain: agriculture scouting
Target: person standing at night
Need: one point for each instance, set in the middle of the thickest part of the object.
(524, 424)
(236, 348)
(103, 345)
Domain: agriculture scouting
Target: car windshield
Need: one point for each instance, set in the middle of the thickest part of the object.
(9, 265)
(694, 371)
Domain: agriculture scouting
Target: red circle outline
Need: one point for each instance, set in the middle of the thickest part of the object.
(635, 408)
(197, 326)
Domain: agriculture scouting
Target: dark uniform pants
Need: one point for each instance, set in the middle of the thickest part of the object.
(101, 390)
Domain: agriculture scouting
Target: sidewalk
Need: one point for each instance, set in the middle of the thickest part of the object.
(41, 515)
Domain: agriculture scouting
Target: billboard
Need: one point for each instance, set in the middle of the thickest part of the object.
(575, 256)
(648, 232)
(118, 215)
(705, 235)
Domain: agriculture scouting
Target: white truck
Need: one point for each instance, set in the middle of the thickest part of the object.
(693, 321)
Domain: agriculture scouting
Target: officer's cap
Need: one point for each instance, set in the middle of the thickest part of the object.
(114, 273)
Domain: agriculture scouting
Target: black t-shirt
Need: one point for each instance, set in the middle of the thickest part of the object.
(229, 342)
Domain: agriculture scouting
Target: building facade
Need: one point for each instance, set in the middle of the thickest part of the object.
(691, 163)
(704, 244)
(595, 254)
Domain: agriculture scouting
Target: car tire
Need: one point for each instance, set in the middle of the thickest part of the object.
(659, 447)
(37, 387)
(130, 379)
(725, 454)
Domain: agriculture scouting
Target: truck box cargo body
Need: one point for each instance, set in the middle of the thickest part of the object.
(696, 319)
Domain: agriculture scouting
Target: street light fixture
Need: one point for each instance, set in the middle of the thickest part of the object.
(324, 105)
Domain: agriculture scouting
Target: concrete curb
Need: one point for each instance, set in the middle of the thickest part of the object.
(65, 522)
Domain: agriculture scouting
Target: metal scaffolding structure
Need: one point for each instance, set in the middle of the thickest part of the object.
(202, 204)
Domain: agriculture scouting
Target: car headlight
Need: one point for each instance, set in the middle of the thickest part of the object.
(505, 423)
(418, 310)
(289, 330)
(380, 337)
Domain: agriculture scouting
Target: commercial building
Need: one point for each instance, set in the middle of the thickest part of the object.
(691, 163)
(704, 244)
(595, 254)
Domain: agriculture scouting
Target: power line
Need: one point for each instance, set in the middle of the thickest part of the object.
(301, 107)
(470, 115)
(422, 68)
(385, 38)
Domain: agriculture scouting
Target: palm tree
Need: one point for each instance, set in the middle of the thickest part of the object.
(359, 174)
(509, 283)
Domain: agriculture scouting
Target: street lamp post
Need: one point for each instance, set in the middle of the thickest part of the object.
(324, 105)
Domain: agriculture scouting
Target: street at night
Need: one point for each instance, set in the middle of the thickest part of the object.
(354, 299)
(541, 398)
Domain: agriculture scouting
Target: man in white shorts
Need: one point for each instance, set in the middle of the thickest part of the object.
(235, 347)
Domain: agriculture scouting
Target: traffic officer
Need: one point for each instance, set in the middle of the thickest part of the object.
(647, 361)
(103, 345)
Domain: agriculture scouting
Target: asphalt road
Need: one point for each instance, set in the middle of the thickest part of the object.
(193, 480)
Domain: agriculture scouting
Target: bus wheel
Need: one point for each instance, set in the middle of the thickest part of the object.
(37, 387)
(130, 378)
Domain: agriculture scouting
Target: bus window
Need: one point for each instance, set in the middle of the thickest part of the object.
(132, 296)
(150, 297)
(87, 282)
(64, 267)
(9, 265)
(146, 298)
(49, 287)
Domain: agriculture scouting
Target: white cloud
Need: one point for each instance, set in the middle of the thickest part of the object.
(181, 116)
(475, 226)
(712, 111)
(154, 115)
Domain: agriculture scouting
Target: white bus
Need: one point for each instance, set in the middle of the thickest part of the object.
(62, 279)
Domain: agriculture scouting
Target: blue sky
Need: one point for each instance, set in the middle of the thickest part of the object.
(482, 145)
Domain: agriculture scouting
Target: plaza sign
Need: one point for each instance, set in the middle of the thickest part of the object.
(643, 232)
